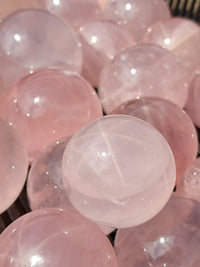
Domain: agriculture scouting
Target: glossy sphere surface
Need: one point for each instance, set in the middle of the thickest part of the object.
(53, 237)
(180, 36)
(101, 41)
(189, 183)
(162, 241)
(7, 7)
(193, 101)
(125, 171)
(13, 165)
(142, 70)
(172, 122)
(76, 13)
(136, 15)
(44, 185)
(34, 39)
(49, 105)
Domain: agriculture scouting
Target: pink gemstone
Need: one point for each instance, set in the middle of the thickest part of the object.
(13, 165)
(119, 171)
(142, 70)
(7, 7)
(49, 105)
(101, 41)
(164, 240)
(76, 13)
(136, 15)
(55, 238)
(34, 39)
(189, 183)
(193, 101)
(180, 36)
(172, 122)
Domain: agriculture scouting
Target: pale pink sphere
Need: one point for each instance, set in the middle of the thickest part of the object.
(118, 171)
(189, 183)
(193, 101)
(101, 41)
(49, 105)
(172, 122)
(76, 13)
(136, 15)
(180, 36)
(13, 165)
(55, 238)
(171, 238)
(9, 6)
(34, 39)
(142, 70)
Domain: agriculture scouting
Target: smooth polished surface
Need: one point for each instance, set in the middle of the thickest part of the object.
(9, 6)
(49, 105)
(13, 165)
(180, 36)
(101, 41)
(164, 240)
(76, 13)
(118, 171)
(193, 101)
(136, 15)
(189, 183)
(142, 70)
(172, 122)
(55, 238)
(34, 39)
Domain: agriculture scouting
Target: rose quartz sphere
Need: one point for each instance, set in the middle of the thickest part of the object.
(142, 70)
(136, 15)
(193, 101)
(189, 183)
(118, 171)
(171, 238)
(9, 6)
(180, 36)
(34, 39)
(76, 13)
(172, 122)
(49, 105)
(13, 165)
(101, 41)
(55, 238)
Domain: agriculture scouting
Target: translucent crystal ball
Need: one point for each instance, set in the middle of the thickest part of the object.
(172, 122)
(34, 39)
(55, 238)
(13, 165)
(142, 70)
(49, 105)
(163, 240)
(118, 171)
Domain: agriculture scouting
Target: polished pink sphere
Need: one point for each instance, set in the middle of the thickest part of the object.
(136, 15)
(13, 165)
(193, 101)
(118, 171)
(55, 238)
(76, 13)
(172, 122)
(44, 184)
(49, 105)
(9, 6)
(34, 39)
(142, 70)
(171, 238)
(101, 41)
(189, 183)
(180, 36)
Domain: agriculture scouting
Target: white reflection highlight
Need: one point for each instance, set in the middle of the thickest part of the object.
(128, 6)
(93, 39)
(35, 260)
(17, 37)
(167, 41)
(36, 100)
(56, 2)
